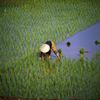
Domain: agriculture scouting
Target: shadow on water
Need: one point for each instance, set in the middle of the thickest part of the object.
(84, 39)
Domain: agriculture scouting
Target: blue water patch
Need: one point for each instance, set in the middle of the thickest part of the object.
(31, 28)
(81, 40)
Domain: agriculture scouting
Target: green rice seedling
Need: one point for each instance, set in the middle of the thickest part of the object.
(54, 67)
(81, 51)
(68, 44)
(63, 88)
(45, 69)
(60, 52)
(60, 65)
(13, 84)
(52, 92)
(38, 68)
(97, 42)
(3, 87)
(48, 86)
(22, 91)
(64, 64)
(8, 83)
(27, 85)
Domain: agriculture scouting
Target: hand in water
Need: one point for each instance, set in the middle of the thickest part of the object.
(58, 57)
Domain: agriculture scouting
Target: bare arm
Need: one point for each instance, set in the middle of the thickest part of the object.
(57, 54)
(54, 50)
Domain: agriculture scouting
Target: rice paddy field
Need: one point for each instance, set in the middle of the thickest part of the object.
(24, 27)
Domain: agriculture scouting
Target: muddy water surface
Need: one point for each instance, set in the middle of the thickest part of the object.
(84, 39)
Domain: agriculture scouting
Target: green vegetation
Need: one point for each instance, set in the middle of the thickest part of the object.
(97, 42)
(68, 44)
(60, 52)
(24, 27)
(81, 51)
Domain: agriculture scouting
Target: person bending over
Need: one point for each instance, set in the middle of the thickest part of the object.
(46, 50)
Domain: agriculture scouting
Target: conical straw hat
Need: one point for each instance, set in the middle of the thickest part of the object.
(45, 48)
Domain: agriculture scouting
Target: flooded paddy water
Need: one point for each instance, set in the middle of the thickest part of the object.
(84, 39)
